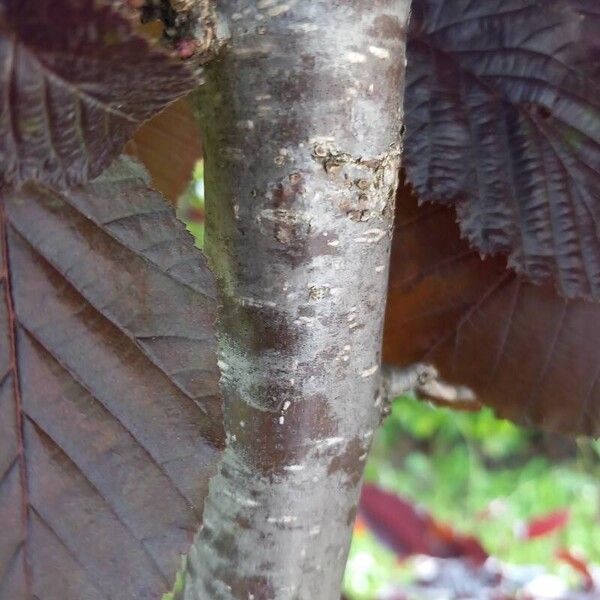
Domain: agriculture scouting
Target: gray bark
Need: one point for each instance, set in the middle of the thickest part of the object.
(301, 115)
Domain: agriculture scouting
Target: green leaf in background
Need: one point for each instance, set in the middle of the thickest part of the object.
(190, 208)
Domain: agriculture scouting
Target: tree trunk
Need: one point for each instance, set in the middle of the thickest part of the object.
(301, 115)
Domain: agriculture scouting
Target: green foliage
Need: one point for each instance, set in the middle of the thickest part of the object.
(178, 587)
(191, 205)
(494, 438)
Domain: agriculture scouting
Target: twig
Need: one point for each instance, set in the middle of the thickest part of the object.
(423, 381)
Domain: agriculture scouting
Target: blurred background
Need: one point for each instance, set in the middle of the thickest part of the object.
(511, 513)
(462, 505)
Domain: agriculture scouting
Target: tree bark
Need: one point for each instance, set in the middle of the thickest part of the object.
(301, 115)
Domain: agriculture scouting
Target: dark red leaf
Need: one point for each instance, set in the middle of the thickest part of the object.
(408, 530)
(110, 420)
(528, 353)
(169, 146)
(76, 80)
(393, 520)
(503, 121)
(545, 524)
(579, 565)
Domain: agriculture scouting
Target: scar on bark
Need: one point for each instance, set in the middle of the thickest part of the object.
(189, 26)
(423, 381)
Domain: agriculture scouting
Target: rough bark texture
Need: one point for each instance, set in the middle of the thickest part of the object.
(302, 115)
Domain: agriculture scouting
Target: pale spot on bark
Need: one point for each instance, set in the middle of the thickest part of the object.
(372, 236)
(304, 27)
(369, 372)
(294, 468)
(282, 520)
(379, 52)
(278, 10)
(355, 57)
(328, 442)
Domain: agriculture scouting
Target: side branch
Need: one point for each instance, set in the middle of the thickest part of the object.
(422, 380)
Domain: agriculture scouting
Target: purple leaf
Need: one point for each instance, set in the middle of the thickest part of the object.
(76, 79)
(110, 416)
(503, 121)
